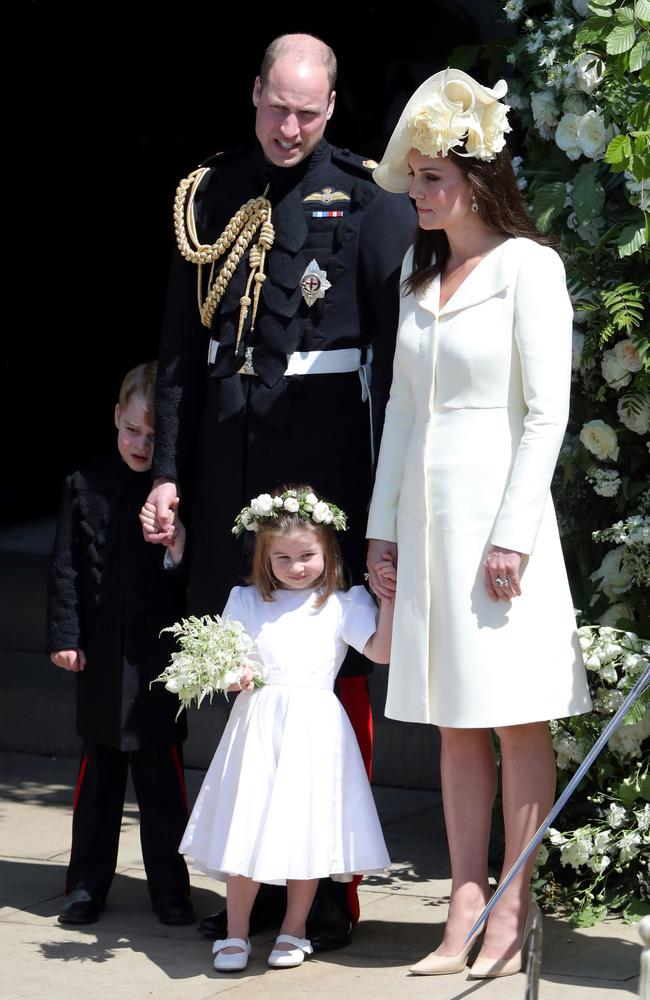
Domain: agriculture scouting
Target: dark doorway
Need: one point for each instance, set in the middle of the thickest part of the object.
(123, 100)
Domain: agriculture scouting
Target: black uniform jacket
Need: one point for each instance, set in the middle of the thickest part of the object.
(110, 595)
(227, 437)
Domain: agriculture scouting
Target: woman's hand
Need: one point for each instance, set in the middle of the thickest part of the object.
(501, 573)
(379, 551)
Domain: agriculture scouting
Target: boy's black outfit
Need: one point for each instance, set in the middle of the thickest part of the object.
(110, 595)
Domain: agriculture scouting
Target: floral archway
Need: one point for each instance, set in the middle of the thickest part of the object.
(579, 90)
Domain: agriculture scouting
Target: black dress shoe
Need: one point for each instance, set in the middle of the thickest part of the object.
(216, 925)
(328, 926)
(81, 907)
(174, 910)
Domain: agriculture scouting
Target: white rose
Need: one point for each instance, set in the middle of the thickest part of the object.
(566, 136)
(589, 71)
(575, 104)
(590, 231)
(517, 100)
(581, 7)
(322, 514)
(600, 439)
(614, 614)
(577, 344)
(277, 501)
(174, 684)
(613, 371)
(639, 191)
(628, 355)
(542, 855)
(637, 422)
(544, 108)
(292, 505)
(262, 505)
(614, 578)
(312, 499)
(592, 136)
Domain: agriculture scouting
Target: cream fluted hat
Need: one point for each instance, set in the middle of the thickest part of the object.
(450, 110)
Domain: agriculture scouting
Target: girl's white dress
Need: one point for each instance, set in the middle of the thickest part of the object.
(286, 795)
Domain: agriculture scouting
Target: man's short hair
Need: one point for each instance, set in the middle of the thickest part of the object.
(303, 51)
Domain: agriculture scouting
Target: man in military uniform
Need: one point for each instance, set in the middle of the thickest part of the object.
(279, 373)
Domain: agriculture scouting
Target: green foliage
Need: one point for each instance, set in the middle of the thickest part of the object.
(587, 80)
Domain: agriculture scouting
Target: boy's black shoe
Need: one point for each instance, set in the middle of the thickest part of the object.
(81, 907)
(174, 910)
(328, 926)
(216, 925)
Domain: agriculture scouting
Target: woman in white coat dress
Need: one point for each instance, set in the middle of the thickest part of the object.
(484, 634)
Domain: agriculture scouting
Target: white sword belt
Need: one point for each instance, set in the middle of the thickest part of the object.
(345, 359)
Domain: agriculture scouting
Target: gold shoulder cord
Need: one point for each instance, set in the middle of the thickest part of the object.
(238, 234)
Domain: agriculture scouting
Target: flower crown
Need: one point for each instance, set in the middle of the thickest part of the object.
(306, 505)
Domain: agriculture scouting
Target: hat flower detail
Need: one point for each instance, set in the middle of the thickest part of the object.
(266, 508)
(452, 118)
(448, 112)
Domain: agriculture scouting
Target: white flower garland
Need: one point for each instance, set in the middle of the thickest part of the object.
(306, 505)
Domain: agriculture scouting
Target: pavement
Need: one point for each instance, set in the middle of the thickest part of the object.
(128, 955)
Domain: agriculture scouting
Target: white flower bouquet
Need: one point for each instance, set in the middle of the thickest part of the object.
(214, 653)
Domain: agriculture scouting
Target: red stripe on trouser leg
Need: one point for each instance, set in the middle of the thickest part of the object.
(181, 776)
(80, 778)
(77, 793)
(353, 695)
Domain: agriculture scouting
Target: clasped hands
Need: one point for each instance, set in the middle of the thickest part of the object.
(501, 571)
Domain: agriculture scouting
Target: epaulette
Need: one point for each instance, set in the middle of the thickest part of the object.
(222, 157)
(348, 160)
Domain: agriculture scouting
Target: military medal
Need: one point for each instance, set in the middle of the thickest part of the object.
(314, 283)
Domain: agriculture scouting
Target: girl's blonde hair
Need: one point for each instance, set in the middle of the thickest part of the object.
(334, 575)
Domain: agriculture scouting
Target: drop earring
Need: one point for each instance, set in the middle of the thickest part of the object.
(474, 204)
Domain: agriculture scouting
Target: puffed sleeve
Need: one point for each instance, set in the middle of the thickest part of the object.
(236, 606)
(542, 331)
(382, 519)
(358, 618)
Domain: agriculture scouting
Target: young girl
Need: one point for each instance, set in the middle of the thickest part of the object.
(286, 799)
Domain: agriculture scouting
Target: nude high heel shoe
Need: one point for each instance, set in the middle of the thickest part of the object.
(445, 965)
(490, 968)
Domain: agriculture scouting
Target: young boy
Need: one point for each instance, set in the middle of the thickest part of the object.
(110, 595)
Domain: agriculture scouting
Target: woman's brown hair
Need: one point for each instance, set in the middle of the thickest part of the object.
(334, 576)
(500, 205)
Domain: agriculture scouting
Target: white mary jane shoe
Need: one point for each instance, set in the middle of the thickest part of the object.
(235, 961)
(281, 958)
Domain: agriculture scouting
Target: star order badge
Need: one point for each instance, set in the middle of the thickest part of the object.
(314, 283)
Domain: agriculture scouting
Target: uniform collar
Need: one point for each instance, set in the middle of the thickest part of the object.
(490, 276)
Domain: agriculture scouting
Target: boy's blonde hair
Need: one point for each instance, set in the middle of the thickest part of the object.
(141, 380)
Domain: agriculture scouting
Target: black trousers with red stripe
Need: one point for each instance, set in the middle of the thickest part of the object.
(97, 818)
